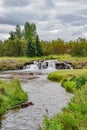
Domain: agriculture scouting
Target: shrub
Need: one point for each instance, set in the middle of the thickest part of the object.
(81, 80)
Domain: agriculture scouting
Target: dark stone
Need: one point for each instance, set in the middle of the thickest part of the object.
(23, 105)
(63, 65)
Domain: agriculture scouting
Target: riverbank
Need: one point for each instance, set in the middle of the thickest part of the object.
(11, 94)
(74, 116)
(15, 63)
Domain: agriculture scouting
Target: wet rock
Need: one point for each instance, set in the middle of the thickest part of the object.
(23, 105)
(63, 65)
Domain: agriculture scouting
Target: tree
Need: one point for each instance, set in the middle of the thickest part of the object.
(1, 48)
(18, 33)
(30, 49)
(12, 35)
(39, 50)
(29, 31)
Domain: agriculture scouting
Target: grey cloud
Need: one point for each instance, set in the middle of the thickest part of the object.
(67, 15)
(15, 3)
(75, 20)
(50, 3)
(70, 17)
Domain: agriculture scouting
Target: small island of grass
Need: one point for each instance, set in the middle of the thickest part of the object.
(11, 94)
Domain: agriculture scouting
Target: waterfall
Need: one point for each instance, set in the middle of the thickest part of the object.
(48, 65)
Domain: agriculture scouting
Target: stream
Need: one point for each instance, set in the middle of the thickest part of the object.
(48, 98)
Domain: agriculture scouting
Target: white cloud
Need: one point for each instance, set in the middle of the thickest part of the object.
(54, 31)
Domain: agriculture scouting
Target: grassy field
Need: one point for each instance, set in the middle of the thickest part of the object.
(59, 57)
(74, 115)
(11, 94)
(61, 74)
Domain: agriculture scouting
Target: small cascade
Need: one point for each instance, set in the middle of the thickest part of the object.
(48, 65)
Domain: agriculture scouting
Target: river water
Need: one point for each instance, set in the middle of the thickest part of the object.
(48, 98)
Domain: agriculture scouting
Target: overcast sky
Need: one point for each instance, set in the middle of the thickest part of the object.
(66, 19)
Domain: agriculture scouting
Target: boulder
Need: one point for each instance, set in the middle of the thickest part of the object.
(63, 65)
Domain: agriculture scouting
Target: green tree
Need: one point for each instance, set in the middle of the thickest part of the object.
(79, 47)
(39, 50)
(29, 31)
(18, 33)
(30, 49)
(1, 48)
(12, 35)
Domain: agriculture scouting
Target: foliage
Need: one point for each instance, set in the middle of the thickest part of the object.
(76, 48)
(81, 80)
(11, 94)
(39, 50)
(29, 31)
(30, 49)
(16, 34)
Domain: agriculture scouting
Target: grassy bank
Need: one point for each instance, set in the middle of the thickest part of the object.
(14, 63)
(11, 94)
(74, 116)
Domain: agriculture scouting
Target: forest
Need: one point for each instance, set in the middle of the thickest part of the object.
(26, 42)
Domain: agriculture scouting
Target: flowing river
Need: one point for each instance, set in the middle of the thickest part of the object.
(48, 98)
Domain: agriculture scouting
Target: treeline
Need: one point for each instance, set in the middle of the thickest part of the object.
(22, 42)
(26, 43)
(75, 48)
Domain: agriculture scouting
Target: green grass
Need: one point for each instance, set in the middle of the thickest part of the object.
(74, 115)
(60, 75)
(11, 94)
(59, 57)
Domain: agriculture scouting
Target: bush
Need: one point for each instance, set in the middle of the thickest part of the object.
(81, 80)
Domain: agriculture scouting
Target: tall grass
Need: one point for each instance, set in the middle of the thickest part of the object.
(11, 94)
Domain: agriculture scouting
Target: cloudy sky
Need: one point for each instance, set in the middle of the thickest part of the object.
(66, 19)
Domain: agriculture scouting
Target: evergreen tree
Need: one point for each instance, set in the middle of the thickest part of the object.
(39, 50)
(30, 49)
